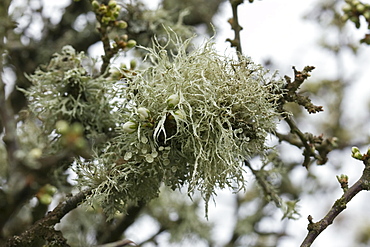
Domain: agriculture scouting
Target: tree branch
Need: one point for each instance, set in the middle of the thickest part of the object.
(44, 228)
(6, 113)
(115, 233)
(124, 242)
(314, 229)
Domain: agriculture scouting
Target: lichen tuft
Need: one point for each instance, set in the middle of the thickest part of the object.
(206, 115)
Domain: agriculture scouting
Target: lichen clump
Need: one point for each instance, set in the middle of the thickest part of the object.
(190, 119)
(64, 90)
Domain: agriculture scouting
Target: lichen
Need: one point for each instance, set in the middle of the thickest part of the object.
(64, 90)
(206, 115)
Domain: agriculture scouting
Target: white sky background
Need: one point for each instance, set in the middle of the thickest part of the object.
(274, 29)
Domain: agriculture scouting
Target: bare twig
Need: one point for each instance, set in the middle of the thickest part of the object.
(292, 87)
(124, 242)
(308, 150)
(153, 237)
(234, 22)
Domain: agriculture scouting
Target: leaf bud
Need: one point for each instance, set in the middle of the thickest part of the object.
(133, 64)
(347, 8)
(368, 152)
(77, 128)
(45, 199)
(105, 20)
(62, 127)
(129, 127)
(355, 2)
(367, 15)
(357, 156)
(356, 153)
(342, 178)
(80, 143)
(35, 153)
(124, 37)
(131, 43)
(95, 4)
(121, 24)
(360, 8)
(50, 189)
(355, 150)
(118, 9)
(103, 9)
(112, 4)
(115, 13)
(173, 100)
(345, 17)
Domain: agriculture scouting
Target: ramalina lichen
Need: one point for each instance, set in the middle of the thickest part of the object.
(188, 119)
(64, 90)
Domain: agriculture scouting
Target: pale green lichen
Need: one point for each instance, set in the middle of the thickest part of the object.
(220, 117)
(64, 90)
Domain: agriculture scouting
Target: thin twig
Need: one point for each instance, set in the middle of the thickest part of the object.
(121, 243)
(116, 232)
(234, 22)
(308, 150)
(261, 180)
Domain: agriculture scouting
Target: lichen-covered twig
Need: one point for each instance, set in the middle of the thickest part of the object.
(44, 228)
